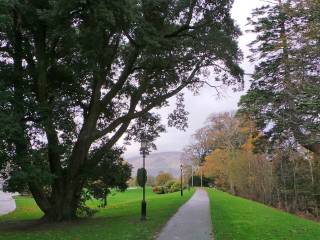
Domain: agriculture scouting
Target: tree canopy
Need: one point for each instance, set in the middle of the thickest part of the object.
(76, 76)
(284, 94)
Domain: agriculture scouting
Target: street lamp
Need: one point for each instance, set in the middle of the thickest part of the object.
(201, 172)
(143, 150)
(192, 175)
(181, 168)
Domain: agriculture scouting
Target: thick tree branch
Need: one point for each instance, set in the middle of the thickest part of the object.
(80, 150)
(133, 103)
(41, 89)
(126, 119)
(123, 77)
(39, 196)
(186, 26)
(156, 102)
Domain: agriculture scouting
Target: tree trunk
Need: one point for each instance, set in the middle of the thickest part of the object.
(63, 212)
(295, 198)
(316, 188)
(64, 207)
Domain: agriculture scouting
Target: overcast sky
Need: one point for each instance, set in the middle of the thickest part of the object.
(206, 103)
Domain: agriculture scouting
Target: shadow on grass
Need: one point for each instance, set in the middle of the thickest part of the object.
(40, 225)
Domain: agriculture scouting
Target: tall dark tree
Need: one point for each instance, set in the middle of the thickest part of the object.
(283, 97)
(78, 75)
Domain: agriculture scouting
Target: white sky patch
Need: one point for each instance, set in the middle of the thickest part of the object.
(206, 103)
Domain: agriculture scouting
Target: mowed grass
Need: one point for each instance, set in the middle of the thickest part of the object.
(120, 220)
(236, 218)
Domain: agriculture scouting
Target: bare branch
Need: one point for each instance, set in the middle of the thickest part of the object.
(217, 88)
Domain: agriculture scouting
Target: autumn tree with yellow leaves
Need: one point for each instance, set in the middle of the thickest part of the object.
(240, 162)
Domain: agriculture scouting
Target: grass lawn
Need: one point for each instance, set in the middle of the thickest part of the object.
(236, 218)
(120, 220)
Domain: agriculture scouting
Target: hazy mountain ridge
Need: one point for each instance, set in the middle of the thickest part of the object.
(156, 162)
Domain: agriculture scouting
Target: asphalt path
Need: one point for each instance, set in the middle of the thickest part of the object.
(7, 203)
(192, 221)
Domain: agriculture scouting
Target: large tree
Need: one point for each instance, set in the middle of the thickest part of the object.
(284, 93)
(76, 76)
(221, 132)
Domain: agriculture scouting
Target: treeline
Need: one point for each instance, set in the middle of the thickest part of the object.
(237, 162)
(269, 150)
(161, 179)
(163, 183)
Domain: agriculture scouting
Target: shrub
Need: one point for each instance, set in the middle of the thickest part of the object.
(169, 184)
(175, 187)
(169, 187)
(160, 189)
(163, 178)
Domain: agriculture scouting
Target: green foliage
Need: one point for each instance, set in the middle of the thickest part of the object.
(283, 98)
(173, 186)
(112, 172)
(170, 183)
(235, 218)
(169, 187)
(82, 209)
(76, 76)
(160, 189)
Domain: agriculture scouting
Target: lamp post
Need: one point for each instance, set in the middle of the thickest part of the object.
(192, 175)
(181, 167)
(201, 172)
(144, 203)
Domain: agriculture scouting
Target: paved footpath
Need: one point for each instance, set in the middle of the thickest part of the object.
(192, 221)
(7, 203)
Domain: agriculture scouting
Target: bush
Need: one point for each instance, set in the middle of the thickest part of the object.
(163, 178)
(169, 187)
(160, 189)
(169, 184)
(175, 187)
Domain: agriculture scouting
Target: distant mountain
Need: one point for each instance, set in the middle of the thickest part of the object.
(156, 162)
